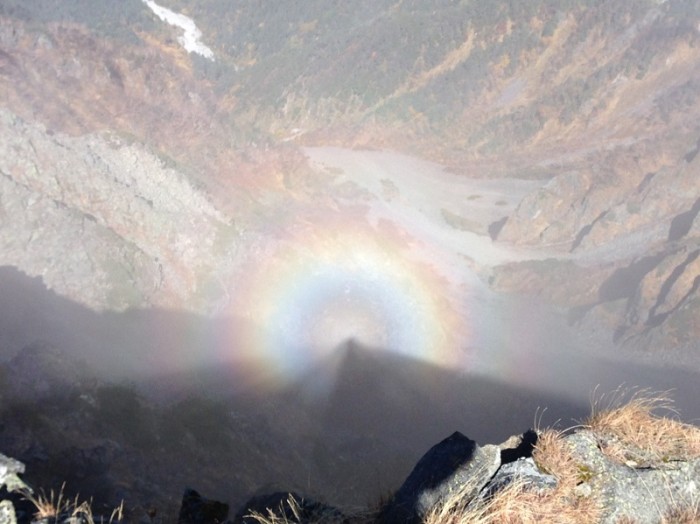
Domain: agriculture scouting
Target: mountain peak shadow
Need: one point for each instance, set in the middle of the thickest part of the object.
(348, 429)
(378, 411)
(387, 395)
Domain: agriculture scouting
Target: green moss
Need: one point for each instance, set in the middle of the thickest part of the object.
(585, 473)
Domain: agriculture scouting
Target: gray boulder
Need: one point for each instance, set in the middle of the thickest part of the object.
(525, 470)
(518, 446)
(10, 469)
(645, 495)
(455, 465)
(517, 465)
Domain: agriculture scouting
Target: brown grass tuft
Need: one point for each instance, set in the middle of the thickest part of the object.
(687, 512)
(683, 516)
(54, 505)
(458, 510)
(516, 504)
(321, 517)
(637, 433)
(48, 506)
(553, 455)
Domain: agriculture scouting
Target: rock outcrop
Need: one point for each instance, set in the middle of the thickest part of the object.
(600, 473)
(632, 235)
(457, 479)
(455, 465)
(10, 469)
(641, 493)
(131, 230)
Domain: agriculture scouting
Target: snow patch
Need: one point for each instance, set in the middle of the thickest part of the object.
(190, 40)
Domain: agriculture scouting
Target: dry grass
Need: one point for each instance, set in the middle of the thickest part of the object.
(638, 428)
(636, 431)
(690, 515)
(687, 512)
(630, 421)
(279, 516)
(457, 510)
(48, 506)
(54, 505)
(516, 504)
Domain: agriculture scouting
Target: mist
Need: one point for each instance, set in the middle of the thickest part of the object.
(295, 248)
(373, 331)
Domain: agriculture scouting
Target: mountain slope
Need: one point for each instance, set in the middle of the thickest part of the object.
(600, 99)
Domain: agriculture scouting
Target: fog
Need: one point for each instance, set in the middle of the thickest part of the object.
(357, 400)
(373, 332)
(320, 299)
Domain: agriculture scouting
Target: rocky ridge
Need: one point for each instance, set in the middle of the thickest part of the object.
(537, 476)
(545, 476)
(112, 443)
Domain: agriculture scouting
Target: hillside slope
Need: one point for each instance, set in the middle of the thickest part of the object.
(600, 99)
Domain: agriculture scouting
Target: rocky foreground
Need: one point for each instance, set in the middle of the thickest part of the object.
(625, 464)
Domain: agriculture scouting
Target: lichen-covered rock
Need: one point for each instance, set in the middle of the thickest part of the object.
(10, 469)
(7, 513)
(645, 495)
(525, 470)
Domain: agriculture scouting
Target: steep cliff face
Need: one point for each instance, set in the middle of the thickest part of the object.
(131, 168)
(121, 186)
(630, 228)
(102, 221)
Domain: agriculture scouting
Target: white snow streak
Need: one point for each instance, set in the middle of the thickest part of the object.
(190, 39)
